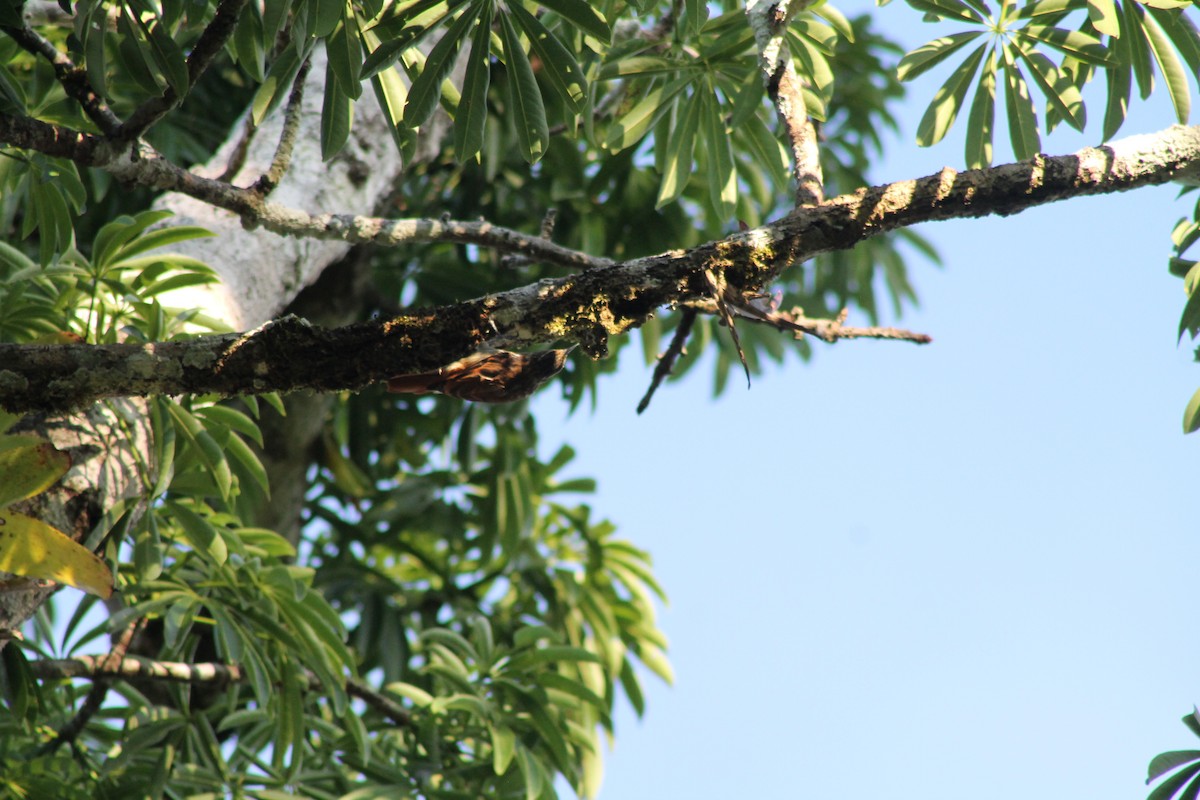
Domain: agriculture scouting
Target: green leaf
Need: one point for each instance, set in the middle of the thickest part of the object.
(583, 15)
(948, 9)
(679, 153)
(1087, 49)
(524, 95)
(629, 129)
(166, 54)
(722, 180)
(1119, 82)
(427, 87)
(1047, 8)
(278, 83)
(1133, 36)
(982, 119)
(337, 115)
(1182, 32)
(503, 747)
(944, 107)
(1060, 93)
(206, 447)
(1174, 72)
(562, 70)
(1168, 788)
(1166, 762)
(1022, 118)
(345, 60)
(1103, 16)
(201, 534)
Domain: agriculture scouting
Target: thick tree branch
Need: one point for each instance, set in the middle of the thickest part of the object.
(587, 307)
(768, 20)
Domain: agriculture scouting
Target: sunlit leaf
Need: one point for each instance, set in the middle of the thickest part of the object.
(33, 549)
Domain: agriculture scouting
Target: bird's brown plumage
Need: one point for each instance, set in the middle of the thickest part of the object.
(489, 376)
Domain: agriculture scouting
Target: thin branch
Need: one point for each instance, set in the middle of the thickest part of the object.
(95, 697)
(73, 78)
(829, 330)
(666, 361)
(287, 137)
(210, 43)
(769, 20)
(136, 667)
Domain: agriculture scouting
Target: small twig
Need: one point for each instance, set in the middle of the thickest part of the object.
(666, 361)
(721, 295)
(237, 157)
(95, 697)
(73, 78)
(828, 330)
(287, 138)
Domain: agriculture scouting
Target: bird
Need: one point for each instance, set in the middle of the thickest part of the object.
(488, 376)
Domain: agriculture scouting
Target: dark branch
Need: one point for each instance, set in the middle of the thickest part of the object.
(666, 361)
(72, 77)
(211, 40)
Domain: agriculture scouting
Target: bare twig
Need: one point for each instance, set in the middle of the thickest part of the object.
(829, 330)
(666, 361)
(287, 138)
(768, 20)
(721, 295)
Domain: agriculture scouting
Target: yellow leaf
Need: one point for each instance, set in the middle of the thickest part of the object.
(33, 549)
(28, 469)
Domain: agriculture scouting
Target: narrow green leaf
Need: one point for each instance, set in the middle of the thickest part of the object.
(1022, 118)
(29, 469)
(629, 129)
(1133, 36)
(1087, 49)
(1173, 70)
(201, 534)
(345, 59)
(695, 14)
(278, 83)
(583, 15)
(337, 115)
(680, 150)
(524, 95)
(722, 180)
(981, 121)
(562, 70)
(1047, 8)
(1060, 93)
(427, 87)
(1182, 32)
(503, 747)
(167, 56)
(1168, 788)
(948, 9)
(206, 447)
(1103, 16)
(944, 108)
(1119, 81)
(837, 19)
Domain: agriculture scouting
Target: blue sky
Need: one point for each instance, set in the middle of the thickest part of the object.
(962, 569)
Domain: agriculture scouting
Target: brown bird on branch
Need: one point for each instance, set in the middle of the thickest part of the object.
(489, 376)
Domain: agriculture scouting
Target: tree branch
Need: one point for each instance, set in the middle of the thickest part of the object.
(135, 667)
(587, 307)
(287, 137)
(73, 78)
(769, 22)
(211, 40)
